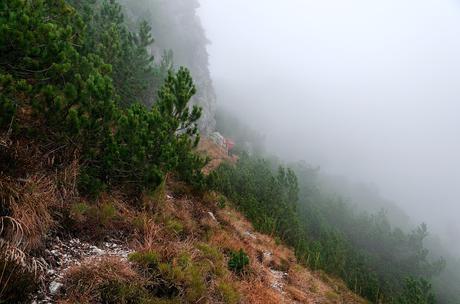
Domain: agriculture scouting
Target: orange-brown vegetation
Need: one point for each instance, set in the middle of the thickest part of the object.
(216, 154)
(182, 242)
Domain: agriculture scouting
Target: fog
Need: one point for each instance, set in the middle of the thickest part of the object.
(365, 89)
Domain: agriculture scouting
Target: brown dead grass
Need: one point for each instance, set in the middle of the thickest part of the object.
(217, 155)
(32, 193)
(32, 189)
(300, 285)
(30, 202)
(85, 282)
(258, 293)
(171, 222)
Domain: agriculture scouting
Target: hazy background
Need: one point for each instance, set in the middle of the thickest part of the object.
(365, 89)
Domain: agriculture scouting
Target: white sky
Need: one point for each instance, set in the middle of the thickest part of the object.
(366, 89)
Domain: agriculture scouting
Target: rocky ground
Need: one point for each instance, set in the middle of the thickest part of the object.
(62, 254)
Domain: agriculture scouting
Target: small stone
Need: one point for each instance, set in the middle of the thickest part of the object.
(97, 251)
(212, 216)
(54, 287)
(249, 234)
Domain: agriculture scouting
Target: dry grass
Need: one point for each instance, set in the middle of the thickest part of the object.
(32, 188)
(32, 191)
(110, 216)
(87, 282)
(172, 222)
(26, 206)
(30, 202)
(216, 154)
(17, 268)
(256, 292)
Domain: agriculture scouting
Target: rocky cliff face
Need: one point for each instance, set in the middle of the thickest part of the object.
(177, 27)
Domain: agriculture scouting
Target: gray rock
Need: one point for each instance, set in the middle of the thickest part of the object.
(54, 287)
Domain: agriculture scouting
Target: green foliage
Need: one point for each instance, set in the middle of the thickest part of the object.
(107, 213)
(89, 184)
(373, 258)
(80, 209)
(174, 226)
(78, 72)
(417, 292)
(255, 190)
(221, 202)
(196, 285)
(187, 276)
(134, 74)
(238, 261)
(210, 252)
(113, 292)
(228, 293)
(149, 260)
(214, 258)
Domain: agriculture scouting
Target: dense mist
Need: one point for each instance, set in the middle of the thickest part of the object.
(365, 90)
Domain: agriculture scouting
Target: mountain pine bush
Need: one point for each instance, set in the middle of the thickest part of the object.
(73, 76)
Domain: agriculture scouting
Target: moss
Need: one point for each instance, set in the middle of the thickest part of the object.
(148, 259)
(332, 296)
(210, 252)
(154, 300)
(184, 259)
(107, 213)
(79, 211)
(138, 222)
(122, 292)
(187, 276)
(157, 198)
(196, 287)
(174, 226)
(222, 202)
(278, 241)
(228, 293)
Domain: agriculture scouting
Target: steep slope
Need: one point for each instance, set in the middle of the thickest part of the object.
(173, 248)
(197, 226)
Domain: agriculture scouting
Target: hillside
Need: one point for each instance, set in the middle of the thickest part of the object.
(110, 192)
(175, 248)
